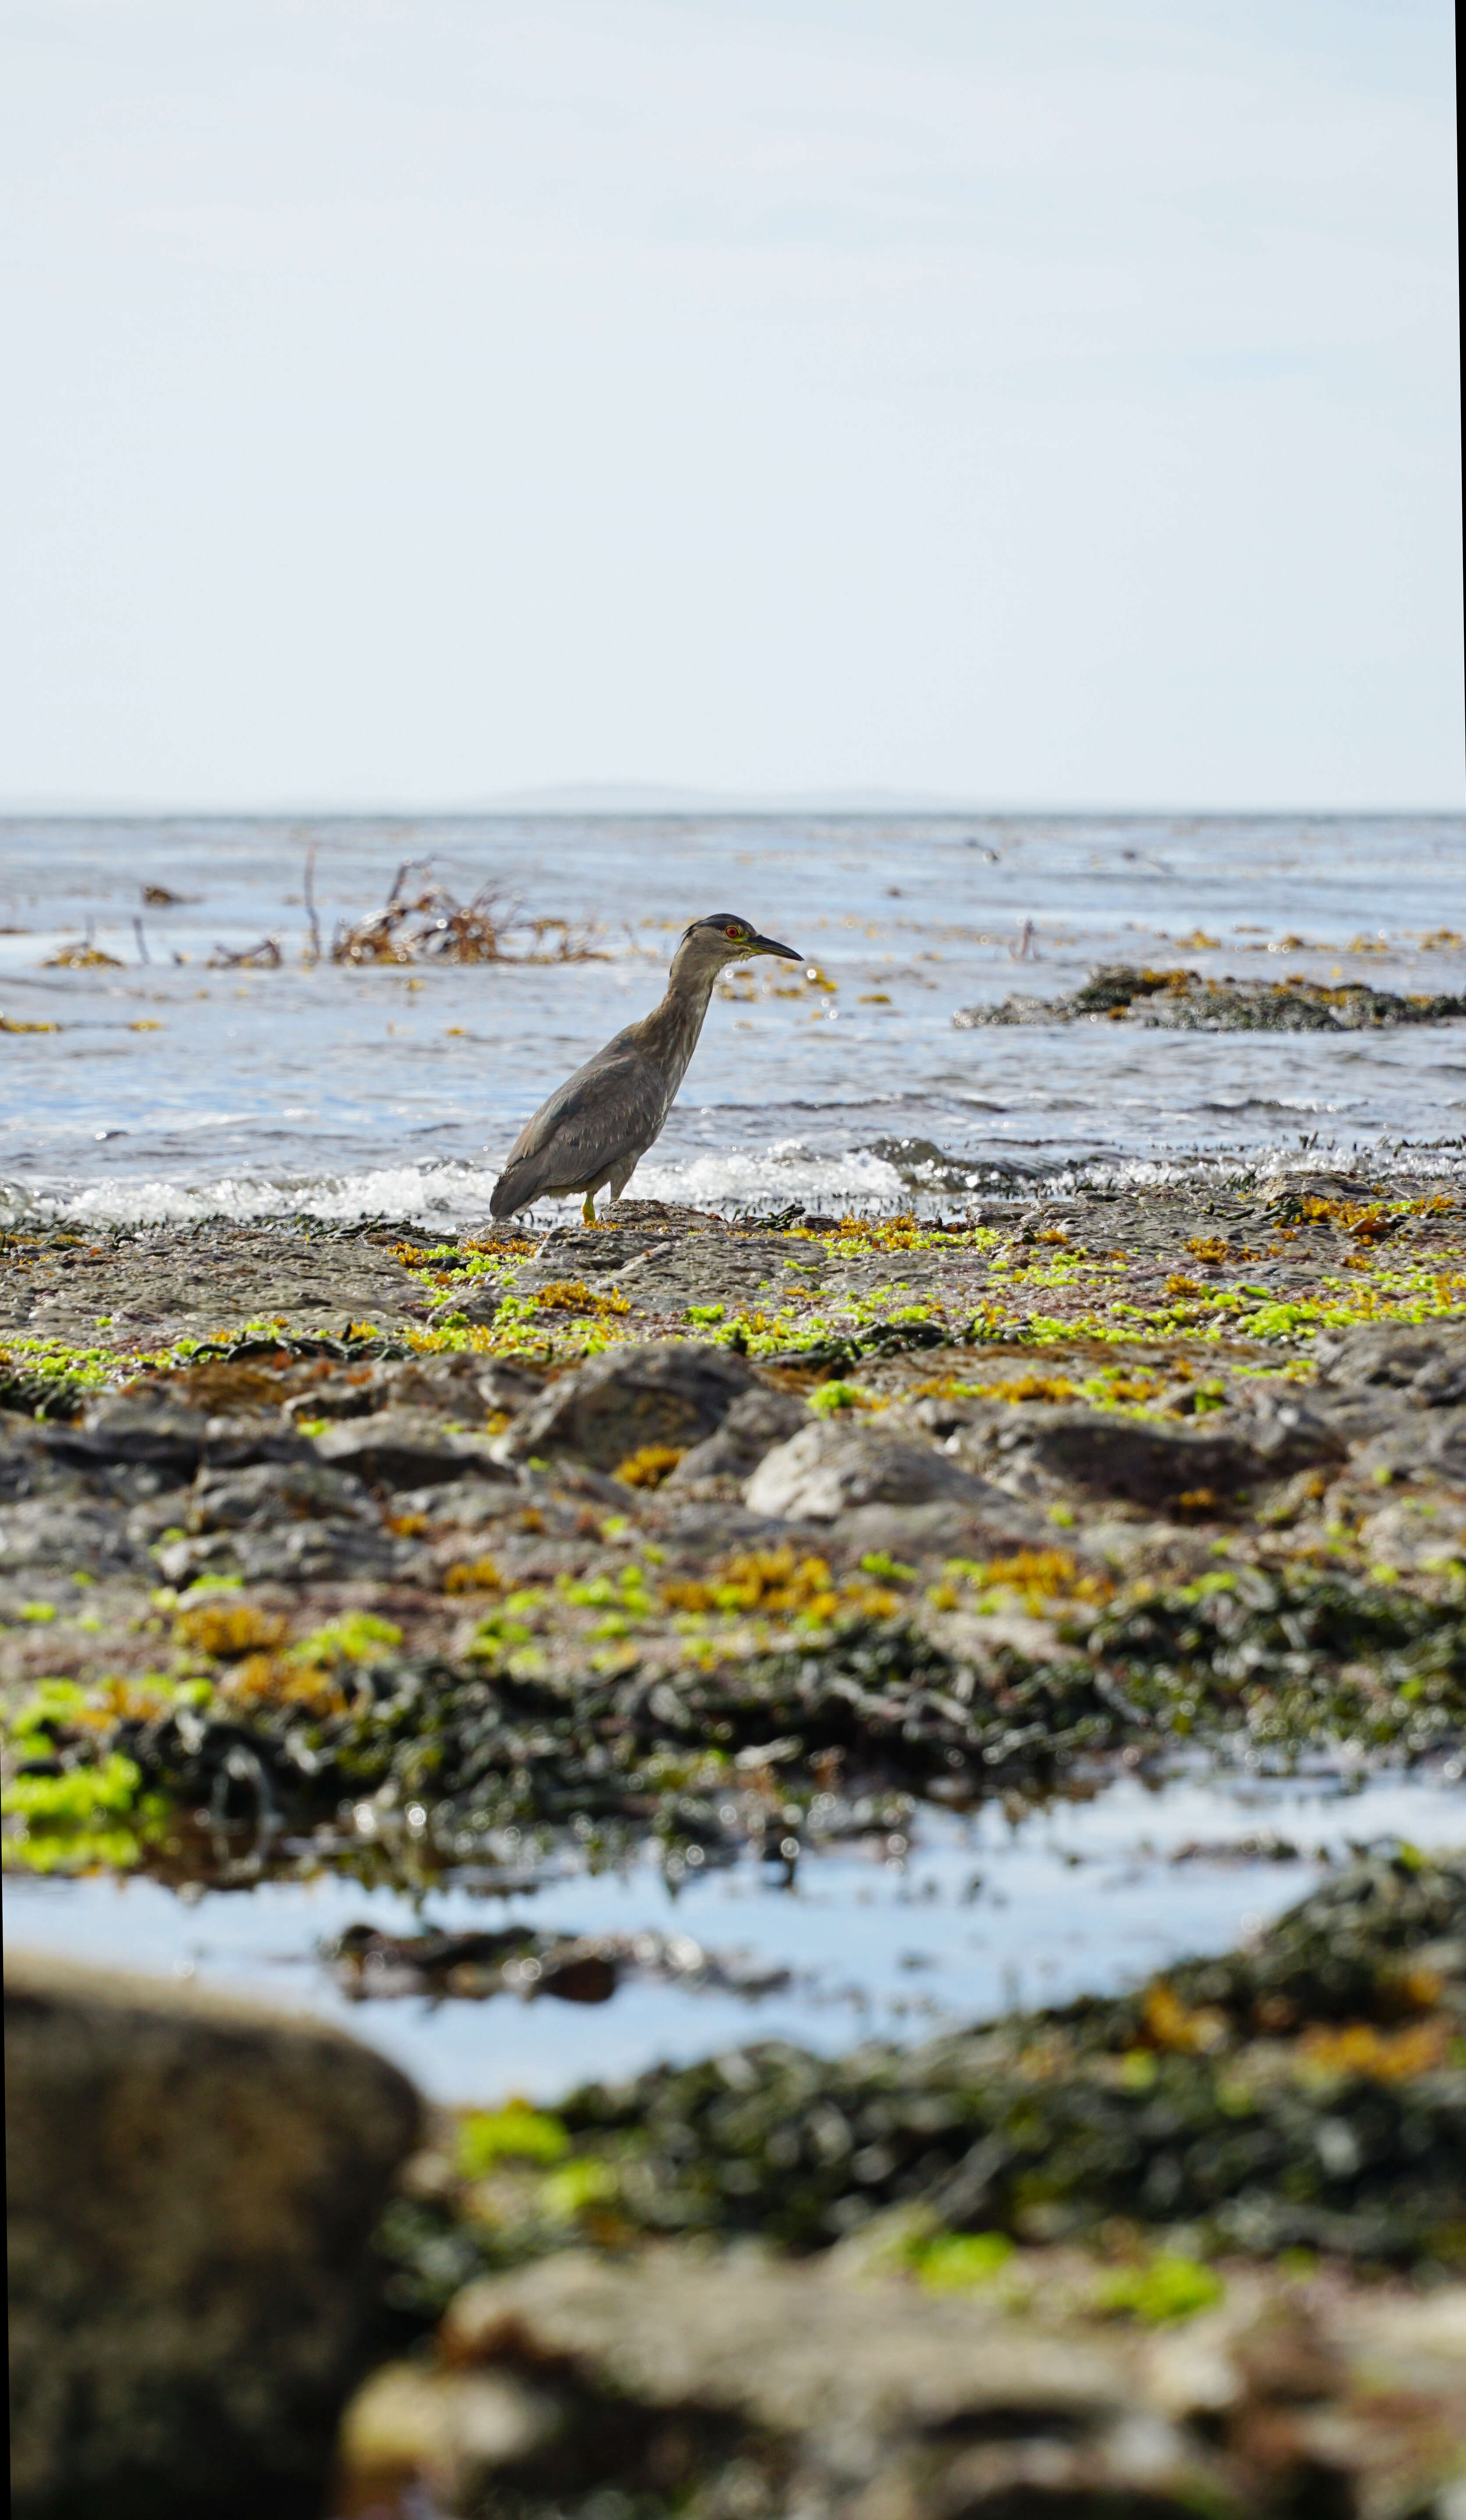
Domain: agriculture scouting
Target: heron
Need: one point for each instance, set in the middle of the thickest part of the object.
(596, 1127)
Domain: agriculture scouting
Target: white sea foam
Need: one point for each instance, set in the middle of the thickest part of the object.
(447, 1194)
(1438, 1159)
(771, 1176)
(456, 1194)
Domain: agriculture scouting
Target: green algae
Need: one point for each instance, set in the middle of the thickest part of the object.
(69, 1816)
(613, 1735)
(355, 1636)
(514, 2133)
(831, 1332)
(47, 1378)
(51, 1378)
(1162, 2289)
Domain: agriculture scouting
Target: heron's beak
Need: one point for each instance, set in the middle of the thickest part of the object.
(766, 945)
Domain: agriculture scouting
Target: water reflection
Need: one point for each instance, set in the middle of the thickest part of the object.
(950, 1919)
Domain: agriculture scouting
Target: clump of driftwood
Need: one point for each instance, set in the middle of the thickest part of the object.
(421, 921)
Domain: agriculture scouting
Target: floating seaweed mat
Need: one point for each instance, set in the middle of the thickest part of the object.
(515, 1960)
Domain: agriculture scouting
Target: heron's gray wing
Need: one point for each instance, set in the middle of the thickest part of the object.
(608, 1109)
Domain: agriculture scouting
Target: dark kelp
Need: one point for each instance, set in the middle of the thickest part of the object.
(1308, 2090)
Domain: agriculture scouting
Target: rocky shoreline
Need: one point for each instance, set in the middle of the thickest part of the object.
(600, 1530)
(365, 1548)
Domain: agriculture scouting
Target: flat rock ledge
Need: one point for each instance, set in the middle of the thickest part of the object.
(192, 2187)
(737, 2385)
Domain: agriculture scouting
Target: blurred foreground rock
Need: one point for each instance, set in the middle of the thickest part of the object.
(192, 2187)
(738, 2389)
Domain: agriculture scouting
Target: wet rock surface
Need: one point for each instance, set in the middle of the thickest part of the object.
(191, 2190)
(1144, 2254)
(71, 1285)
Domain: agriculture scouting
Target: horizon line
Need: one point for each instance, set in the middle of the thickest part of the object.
(607, 800)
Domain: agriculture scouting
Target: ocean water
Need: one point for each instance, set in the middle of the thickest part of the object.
(176, 1087)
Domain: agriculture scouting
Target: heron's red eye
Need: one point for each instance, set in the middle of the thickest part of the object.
(733, 932)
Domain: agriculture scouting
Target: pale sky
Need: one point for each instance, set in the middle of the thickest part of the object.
(410, 401)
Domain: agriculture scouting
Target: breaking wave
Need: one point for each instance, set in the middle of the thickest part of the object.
(454, 1193)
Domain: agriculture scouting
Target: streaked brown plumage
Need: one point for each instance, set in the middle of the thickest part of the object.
(596, 1127)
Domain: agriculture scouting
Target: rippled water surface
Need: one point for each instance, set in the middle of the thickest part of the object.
(174, 1088)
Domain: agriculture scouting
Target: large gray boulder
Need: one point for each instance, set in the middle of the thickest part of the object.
(1425, 1358)
(29, 1463)
(404, 1447)
(52, 1535)
(751, 1427)
(192, 2187)
(1126, 1460)
(836, 1464)
(135, 1434)
(276, 1492)
(153, 1433)
(674, 1392)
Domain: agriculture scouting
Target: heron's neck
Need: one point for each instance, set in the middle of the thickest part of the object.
(669, 1033)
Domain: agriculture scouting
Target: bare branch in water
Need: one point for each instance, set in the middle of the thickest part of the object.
(310, 908)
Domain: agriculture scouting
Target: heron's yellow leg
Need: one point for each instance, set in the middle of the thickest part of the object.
(588, 1211)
